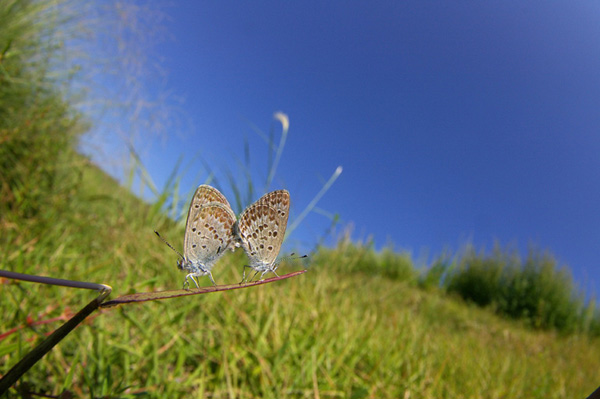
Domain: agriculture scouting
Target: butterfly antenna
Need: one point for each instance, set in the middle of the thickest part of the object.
(290, 257)
(170, 246)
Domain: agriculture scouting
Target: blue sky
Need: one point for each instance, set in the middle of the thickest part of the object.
(453, 121)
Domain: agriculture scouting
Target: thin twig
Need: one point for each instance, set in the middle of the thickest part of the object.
(40, 351)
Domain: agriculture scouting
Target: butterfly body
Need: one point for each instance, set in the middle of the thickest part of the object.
(208, 234)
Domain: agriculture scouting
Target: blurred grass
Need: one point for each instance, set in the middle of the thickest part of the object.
(357, 325)
(534, 289)
(38, 127)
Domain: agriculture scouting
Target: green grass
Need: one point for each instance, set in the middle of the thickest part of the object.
(533, 289)
(38, 126)
(332, 332)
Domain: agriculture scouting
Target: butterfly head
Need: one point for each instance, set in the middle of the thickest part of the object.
(181, 263)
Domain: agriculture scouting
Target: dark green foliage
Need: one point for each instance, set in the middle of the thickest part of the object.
(477, 277)
(542, 293)
(535, 290)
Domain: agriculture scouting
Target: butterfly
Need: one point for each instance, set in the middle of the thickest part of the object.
(260, 231)
(208, 234)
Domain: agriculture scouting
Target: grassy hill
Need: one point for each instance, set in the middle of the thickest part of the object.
(327, 333)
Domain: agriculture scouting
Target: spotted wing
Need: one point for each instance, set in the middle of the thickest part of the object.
(206, 194)
(261, 231)
(208, 233)
(280, 200)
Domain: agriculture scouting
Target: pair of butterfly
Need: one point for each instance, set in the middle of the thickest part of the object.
(212, 228)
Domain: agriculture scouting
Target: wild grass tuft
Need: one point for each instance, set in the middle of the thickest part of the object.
(534, 289)
(360, 258)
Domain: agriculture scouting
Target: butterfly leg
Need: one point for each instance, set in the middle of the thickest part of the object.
(244, 274)
(187, 283)
(211, 278)
(267, 271)
(274, 271)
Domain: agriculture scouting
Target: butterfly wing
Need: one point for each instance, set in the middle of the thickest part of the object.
(261, 228)
(205, 195)
(260, 233)
(280, 200)
(208, 233)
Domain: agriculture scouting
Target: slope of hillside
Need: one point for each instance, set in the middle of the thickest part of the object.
(327, 333)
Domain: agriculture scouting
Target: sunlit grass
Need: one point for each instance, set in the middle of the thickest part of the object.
(331, 332)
